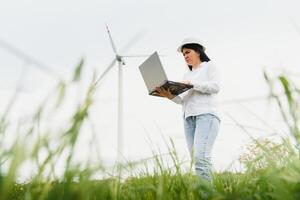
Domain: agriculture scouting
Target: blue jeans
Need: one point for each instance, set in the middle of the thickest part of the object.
(201, 132)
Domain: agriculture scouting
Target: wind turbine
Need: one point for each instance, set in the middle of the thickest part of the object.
(121, 63)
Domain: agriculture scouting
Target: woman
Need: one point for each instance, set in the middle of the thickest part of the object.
(201, 121)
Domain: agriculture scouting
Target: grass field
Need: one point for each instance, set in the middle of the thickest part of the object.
(272, 170)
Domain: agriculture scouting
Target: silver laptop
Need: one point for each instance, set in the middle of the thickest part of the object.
(154, 76)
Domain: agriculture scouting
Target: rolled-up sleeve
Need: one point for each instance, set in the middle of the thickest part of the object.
(177, 99)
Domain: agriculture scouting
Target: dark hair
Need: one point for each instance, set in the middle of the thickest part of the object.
(199, 49)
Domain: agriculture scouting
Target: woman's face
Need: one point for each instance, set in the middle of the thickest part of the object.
(191, 57)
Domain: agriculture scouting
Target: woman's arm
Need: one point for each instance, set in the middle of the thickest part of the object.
(166, 93)
(212, 85)
(177, 99)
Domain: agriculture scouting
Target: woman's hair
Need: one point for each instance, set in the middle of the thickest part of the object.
(199, 49)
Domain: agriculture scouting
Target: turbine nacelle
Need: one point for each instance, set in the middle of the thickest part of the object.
(120, 59)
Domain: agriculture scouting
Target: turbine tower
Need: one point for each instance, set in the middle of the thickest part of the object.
(120, 59)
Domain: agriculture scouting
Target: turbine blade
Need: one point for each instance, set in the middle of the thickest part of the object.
(139, 55)
(111, 41)
(105, 71)
(133, 56)
(133, 40)
(28, 59)
(296, 26)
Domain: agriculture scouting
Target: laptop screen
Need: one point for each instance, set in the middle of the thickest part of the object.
(153, 72)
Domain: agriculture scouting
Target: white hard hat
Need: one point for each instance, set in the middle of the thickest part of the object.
(190, 40)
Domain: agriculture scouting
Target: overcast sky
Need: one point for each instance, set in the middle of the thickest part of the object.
(242, 37)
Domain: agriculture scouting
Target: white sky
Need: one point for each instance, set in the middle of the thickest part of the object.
(242, 37)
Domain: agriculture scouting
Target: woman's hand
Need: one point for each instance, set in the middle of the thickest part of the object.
(186, 82)
(164, 93)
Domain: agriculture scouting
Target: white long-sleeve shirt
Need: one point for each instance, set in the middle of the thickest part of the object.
(202, 98)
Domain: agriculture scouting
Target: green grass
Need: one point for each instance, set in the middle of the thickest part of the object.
(272, 170)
